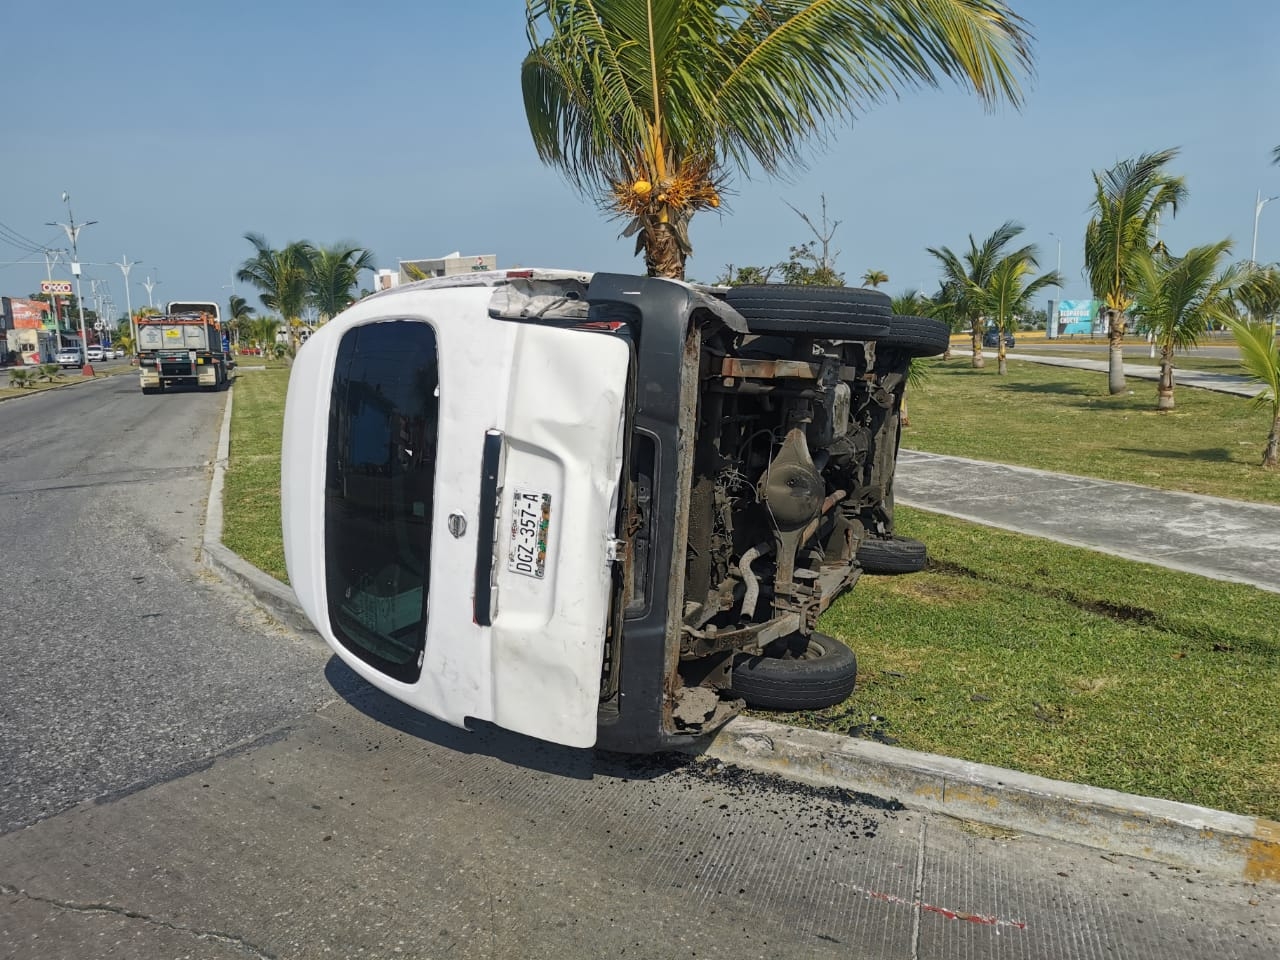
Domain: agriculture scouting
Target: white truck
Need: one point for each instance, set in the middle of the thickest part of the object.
(595, 508)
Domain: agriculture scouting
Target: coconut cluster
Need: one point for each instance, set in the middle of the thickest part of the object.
(691, 186)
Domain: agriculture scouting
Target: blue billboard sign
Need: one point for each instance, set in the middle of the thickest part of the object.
(1077, 317)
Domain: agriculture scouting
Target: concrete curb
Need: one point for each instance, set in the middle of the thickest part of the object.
(267, 591)
(1242, 848)
(1226, 844)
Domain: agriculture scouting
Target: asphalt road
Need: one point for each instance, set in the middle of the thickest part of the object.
(183, 779)
(123, 660)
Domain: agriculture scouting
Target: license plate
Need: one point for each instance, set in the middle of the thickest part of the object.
(530, 527)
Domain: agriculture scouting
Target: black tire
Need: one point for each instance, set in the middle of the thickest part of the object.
(892, 555)
(815, 674)
(835, 313)
(150, 390)
(917, 336)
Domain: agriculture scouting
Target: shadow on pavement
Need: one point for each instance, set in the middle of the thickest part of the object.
(484, 738)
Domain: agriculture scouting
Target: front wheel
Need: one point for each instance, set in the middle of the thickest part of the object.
(803, 674)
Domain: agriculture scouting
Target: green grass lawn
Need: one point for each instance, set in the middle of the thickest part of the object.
(251, 496)
(1007, 649)
(1061, 662)
(1061, 419)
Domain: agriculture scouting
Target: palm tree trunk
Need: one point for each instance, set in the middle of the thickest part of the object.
(1164, 390)
(662, 254)
(978, 360)
(1115, 356)
(1002, 363)
(1271, 457)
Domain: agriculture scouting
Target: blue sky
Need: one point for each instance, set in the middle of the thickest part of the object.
(399, 126)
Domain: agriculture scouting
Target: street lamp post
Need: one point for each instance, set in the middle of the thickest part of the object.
(150, 285)
(73, 232)
(50, 258)
(125, 266)
(1058, 270)
(1257, 212)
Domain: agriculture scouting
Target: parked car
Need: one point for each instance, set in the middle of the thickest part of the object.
(624, 501)
(992, 339)
(117, 352)
(69, 357)
(96, 353)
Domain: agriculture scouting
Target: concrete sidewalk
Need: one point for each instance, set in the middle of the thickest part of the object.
(1237, 383)
(1209, 536)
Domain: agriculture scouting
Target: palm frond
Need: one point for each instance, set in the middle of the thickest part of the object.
(1177, 297)
(625, 96)
(1260, 358)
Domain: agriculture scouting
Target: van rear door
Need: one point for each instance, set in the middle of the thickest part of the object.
(450, 486)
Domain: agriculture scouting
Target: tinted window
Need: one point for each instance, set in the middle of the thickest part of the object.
(378, 497)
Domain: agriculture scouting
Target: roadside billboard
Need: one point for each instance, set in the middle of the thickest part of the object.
(1076, 317)
(20, 314)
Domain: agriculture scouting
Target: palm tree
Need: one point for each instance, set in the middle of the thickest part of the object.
(1259, 294)
(647, 104)
(1009, 291)
(239, 316)
(332, 273)
(281, 276)
(912, 303)
(1260, 357)
(961, 275)
(263, 331)
(1177, 297)
(1128, 201)
(873, 278)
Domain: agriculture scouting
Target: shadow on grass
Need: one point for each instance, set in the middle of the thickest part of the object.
(1210, 455)
(1060, 387)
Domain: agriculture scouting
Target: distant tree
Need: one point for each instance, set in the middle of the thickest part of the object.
(649, 105)
(873, 278)
(733, 276)
(1260, 358)
(333, 274)
(281, 277)
(911, 303)
(1008, 291)
(239, 316)
(1177, 298)
(1128, 201)
(963, 274)
(263, 331)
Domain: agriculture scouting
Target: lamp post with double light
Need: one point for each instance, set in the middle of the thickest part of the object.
(1257, 213)
(125, 266)
(73, 233)
(150, 285)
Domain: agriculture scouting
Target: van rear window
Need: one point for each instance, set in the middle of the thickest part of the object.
(383, 420)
